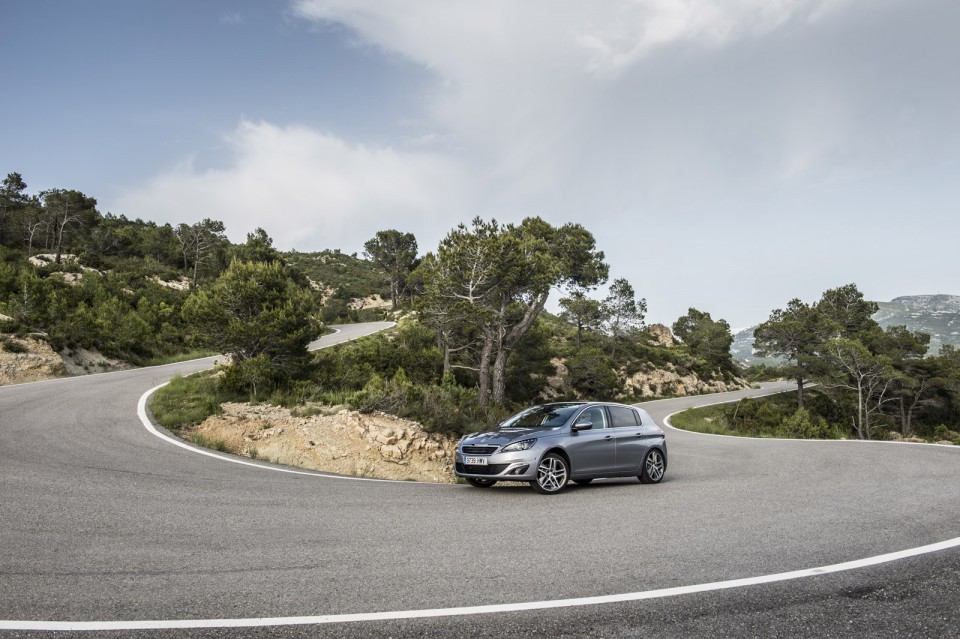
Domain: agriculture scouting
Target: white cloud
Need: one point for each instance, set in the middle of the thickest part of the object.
(521, 84)
(658, 124)
(307, 189)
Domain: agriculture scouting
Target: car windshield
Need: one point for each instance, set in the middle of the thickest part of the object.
(546, 416)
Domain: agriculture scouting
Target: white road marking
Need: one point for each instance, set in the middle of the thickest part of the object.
(171, 624)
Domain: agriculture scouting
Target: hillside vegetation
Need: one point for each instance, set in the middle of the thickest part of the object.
(474, 341)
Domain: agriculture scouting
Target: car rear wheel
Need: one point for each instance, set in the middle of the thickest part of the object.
(553, 472)
(481, 483)
(654, 466)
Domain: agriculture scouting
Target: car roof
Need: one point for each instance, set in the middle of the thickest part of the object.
(584, 403)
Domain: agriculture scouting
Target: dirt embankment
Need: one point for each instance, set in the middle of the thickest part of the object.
(31, 359)
(343, 442)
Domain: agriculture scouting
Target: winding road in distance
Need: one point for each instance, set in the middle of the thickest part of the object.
(108, 530)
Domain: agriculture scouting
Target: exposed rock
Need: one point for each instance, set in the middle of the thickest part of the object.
(180, 284)
(374, 301)
(660, 335)
(81, 361)
(38, 361)
(557, 383)
(347, 442)
(653, 382)
(667, 381)
(69, 278)
(45, 259)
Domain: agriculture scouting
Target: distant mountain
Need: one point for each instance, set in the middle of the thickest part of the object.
(938, 315)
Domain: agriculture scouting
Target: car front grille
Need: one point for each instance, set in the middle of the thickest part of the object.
(492, 469)
(479, 450)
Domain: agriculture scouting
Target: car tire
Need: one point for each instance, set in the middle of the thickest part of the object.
(583, 482)
(480, 483)
(553, 473)
(654, 467)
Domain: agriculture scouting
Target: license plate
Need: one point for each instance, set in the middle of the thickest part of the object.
(475, 461)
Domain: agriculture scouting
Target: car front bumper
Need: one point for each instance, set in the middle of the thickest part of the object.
(519, 466)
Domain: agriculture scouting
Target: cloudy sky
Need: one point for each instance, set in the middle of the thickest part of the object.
(727, 154)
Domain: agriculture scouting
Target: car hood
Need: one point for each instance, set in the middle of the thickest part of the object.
(504, 436)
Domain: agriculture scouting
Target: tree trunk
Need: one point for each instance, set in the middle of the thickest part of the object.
(799, 390)
(904, 420)
(506, 342)
(499, 375)
(484, 397)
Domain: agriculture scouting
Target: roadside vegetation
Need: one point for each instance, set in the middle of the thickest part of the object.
(778, 417)
(473, 342)
(870, 381)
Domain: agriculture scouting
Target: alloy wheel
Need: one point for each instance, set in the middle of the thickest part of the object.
(552, 474)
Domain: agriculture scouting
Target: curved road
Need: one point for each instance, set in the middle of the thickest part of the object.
(104, 522)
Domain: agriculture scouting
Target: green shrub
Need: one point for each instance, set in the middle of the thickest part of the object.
(804, 425)
(445, 408)
(186, 401)
(702, 420)
(216, 444)
(592, 374)
(13, 346)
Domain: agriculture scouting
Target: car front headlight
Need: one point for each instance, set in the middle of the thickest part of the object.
(526, 444)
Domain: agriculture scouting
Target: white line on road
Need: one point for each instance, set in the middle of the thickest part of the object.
(171, 624)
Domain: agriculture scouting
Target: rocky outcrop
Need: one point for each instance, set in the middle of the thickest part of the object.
(660, 382)
(343, 442)
(373, 301)
(83, 361)
(28, 360)
(180, 284)
(660, 335)
(648, 383)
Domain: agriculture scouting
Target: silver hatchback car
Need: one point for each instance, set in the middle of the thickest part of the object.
(551, 444)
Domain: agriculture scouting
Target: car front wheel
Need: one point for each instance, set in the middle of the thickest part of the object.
(654, 466)
(552, 474)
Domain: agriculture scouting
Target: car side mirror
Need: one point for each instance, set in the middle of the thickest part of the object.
(582, 426)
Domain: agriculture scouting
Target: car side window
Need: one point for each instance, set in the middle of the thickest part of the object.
(623, 417)
(596, 416)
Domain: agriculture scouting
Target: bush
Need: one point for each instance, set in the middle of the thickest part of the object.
(445, 408)
(13, 346)
(805, 425)
(186, 401)
(206, 442)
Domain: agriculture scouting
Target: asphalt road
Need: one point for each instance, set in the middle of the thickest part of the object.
(102, 521)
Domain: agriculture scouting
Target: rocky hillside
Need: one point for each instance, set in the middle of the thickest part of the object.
(938, 315)
(30, 359)
(333, 271)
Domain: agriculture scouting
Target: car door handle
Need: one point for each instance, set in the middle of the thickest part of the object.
(639, 434)
(608, 437)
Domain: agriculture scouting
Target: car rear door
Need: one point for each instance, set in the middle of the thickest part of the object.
(629, 434)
